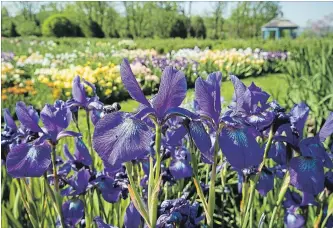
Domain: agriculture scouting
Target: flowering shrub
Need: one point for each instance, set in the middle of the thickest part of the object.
(165, 165)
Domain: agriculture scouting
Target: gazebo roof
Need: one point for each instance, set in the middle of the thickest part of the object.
(280, 23)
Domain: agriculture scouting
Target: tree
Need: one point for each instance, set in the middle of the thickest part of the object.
(198, 28)
(179, 29)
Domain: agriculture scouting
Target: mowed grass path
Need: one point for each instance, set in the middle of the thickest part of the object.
(274, 84)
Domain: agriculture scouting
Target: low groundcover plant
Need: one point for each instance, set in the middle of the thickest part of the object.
(148, 152)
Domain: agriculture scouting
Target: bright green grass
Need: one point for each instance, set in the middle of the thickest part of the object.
(273, 84)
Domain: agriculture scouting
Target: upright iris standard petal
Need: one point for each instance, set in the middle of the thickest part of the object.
(307, 174)
(55, 119)
(10, 123)
(132, 217)
(78, 91)
(327, 129)
(278, 152)
(240, 89)
(172, 91)
(28, 117)
(73, 211)
(240, 147)
(27, 160)
(215, 80)
(208, 97)
(119, 138)
(131, 84)
(314, 148)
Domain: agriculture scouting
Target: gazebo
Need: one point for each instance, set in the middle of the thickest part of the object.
(277, 26)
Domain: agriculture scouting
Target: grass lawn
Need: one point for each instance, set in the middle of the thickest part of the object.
(274, 84)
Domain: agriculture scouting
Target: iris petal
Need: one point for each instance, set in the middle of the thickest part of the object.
(131, 84)
(26, 160)
(118, 138)
(307, 174)
(172, 91)
(240, 147)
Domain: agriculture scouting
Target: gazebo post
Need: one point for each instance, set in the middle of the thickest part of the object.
(277, 33)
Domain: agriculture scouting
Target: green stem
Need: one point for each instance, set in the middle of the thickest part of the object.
(137, 199)
(196, 181)
(90, 141)
(283, 190)
(211, 198)
(255, 181)
(56, 186)
(157, 169)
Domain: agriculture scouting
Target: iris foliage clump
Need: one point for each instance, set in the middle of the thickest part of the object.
(164, 146)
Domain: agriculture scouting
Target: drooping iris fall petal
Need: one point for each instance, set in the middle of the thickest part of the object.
(132, 217)
(27, 160)
(240, 147)
(73, 211)
(119, 138)
(307, 174)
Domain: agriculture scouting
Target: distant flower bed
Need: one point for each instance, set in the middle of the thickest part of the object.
(56, 70)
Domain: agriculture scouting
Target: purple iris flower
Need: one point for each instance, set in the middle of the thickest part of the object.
(235, 139)
(250, 104)
(107, 185)
(73, 211)
(314, 147)
(292, 131)
(180, 165)
(132, 217)
(293, 220)
(81, 156)
(32, 159)
(78, 183)
(178, 211)
(80, 99)
(101, 224)
(121, 137)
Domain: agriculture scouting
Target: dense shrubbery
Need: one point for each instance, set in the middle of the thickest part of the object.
(58, 26)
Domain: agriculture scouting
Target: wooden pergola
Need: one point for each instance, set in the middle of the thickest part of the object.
(277, 26)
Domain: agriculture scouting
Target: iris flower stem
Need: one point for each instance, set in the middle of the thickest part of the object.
(211, 197)
(283, 190)
(138, 203)
(90, 141)
(196, 181)
(156, 176)
(56, 186)
(256, 178)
